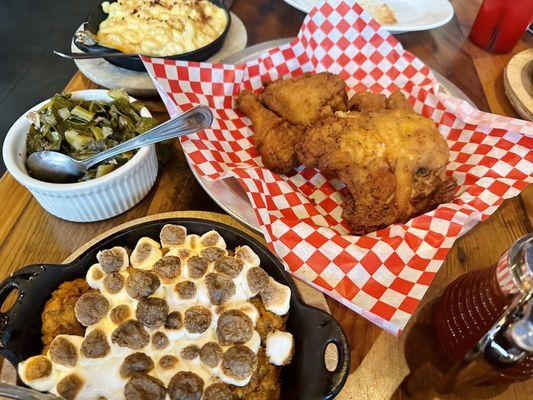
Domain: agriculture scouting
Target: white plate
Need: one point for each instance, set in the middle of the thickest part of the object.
(227, 193)
(412, 15)
(136, 83)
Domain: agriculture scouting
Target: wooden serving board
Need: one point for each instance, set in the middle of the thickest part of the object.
(518, 83)
(310, 295)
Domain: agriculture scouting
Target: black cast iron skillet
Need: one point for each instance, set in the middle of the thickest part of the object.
(306, 378)
(97, 15)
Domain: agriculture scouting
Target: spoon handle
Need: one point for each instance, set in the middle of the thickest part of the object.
(197, 119)
(89, 56)
(17, 392)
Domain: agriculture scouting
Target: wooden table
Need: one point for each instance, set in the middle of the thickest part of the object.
(379, 361)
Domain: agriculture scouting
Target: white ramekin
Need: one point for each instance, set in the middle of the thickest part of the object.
(94, 200)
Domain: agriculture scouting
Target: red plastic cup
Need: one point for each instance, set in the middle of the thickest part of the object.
(500, 24)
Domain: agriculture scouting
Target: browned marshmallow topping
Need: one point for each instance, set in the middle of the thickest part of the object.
(173, 320)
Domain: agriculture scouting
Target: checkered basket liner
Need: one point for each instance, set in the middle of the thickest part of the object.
(382, 275)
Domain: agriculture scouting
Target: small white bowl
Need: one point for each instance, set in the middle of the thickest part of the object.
(93, 200)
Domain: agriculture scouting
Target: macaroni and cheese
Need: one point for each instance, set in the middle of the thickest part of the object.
(161, 27)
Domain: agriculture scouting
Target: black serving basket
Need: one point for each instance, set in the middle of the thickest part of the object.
(306, 378)
(97, 15)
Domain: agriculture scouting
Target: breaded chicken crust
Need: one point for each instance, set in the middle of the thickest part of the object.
(284, 109)
(391, 160)
(306, 98)
(274, 138)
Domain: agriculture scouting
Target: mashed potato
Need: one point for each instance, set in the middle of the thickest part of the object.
(160, 27)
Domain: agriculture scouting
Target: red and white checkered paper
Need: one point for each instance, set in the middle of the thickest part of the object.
(382, 275)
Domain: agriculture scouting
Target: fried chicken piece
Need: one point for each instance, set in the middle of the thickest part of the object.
(392, 162)
(274, 137)
(367, 101)
(398, 101)
(58, 316)
(305, 99)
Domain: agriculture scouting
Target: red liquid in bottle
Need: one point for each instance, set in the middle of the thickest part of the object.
(500, 24)
(468, 309)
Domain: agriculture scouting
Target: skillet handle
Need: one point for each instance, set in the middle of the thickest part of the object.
(332, 333)
(329, 331)
(6, 288)
(16, 281)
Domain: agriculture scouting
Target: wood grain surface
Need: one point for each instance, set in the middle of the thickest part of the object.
(383, 367)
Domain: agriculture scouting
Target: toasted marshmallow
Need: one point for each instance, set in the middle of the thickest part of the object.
(120, 297)
(141, 284)
(185, 292)
(90, 308)
(197, 320)
(64, 351)
(192, 242)
(231, 266)
(217, 391)
(247, 255)
(279, 347)
(167, 268)
(113, 260)
(172, 236)
(212, 239)
(276, 297)
(95, 276)
(174, 328)
(113, 283)
(186, 382)
(216, 289)
(146, 253)
(235, 382)
(211, 354)
(38, 373)
(95, 347)
(234, 327)
(254, 281)
(185, 315)
(195, 267)
(70, 386)
(238, 364)
(120, 313)
(254, 343)
(250, 310)
(183, 253)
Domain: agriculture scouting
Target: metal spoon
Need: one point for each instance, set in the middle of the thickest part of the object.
(85, 39)
(17, 392)
(89, 56)
(51, 166)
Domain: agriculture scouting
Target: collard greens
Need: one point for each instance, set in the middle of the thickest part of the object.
(82, 128)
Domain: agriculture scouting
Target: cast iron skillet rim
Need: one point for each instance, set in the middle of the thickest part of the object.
(332, 331)
(217, 43)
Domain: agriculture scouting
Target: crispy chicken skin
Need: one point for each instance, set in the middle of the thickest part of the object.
(58, 316)
(367, 101)
(274, 137)
(398, 101)
(391, 160)
(304, 99)
(282, 111)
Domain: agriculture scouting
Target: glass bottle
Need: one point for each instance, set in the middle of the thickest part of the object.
(484, 320)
